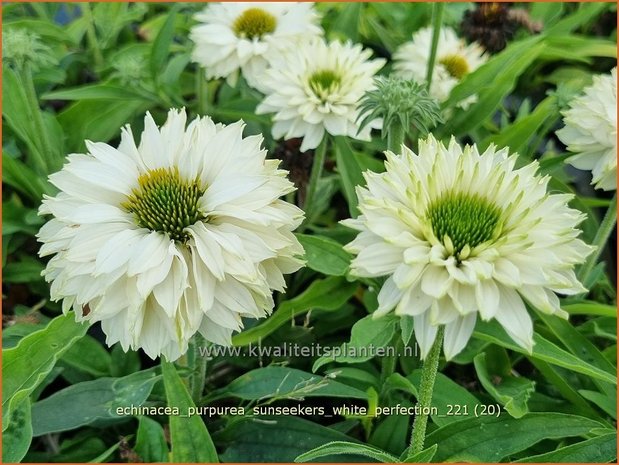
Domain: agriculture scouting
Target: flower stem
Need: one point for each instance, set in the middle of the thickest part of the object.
(437, 22)
(42, 157)
(317, 165)
(395, 137)
(91, 34)
(426, 388)
(201, 92)
(602, 235)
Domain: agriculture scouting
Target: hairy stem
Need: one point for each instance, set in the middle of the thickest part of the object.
(426, 388)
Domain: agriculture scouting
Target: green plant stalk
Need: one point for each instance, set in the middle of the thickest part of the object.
(317, 165)
(601, 237)
(395, 136)
(437, 22)
(42, 157)
(202, 92)
(426, 388)
(91, 34)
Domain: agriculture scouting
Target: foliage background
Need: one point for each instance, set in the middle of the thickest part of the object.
(108, 63)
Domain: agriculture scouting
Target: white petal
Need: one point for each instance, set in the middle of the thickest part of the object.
(457, 334)
(425, 333)
(515, 319)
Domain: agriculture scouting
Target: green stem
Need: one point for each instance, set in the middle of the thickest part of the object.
(395, 137)
(601, 237)
(437, 22)
(201, 92)
(312, 186)
(426, 388)
(91, 34)
(42, 157)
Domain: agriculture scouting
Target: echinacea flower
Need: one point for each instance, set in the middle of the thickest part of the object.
(591, 131)
(317, 87)
(459, 233)
(454, 60)
(242, 36)
(185, 232)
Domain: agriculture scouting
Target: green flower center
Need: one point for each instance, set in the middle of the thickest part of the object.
(467, 219)
(166, 203)
(254, 23)
(455, 65)
(324, 82)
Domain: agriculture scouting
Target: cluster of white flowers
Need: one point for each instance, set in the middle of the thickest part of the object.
(454, 60)
(459, 233)
(184, 232)
(310, 84)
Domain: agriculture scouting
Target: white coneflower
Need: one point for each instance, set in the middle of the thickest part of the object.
(460, 233)
(183, 233)
(591, 131)
(454, 60)
(317, 87)
(242, 36)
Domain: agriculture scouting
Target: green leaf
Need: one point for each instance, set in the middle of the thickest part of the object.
(97, 120)
(284, 382)
(27, 365)
(17, 437)
(89, 356)
(161, 45)
(585, 13)
(491, 438)
(16, 112)
(350, 172)
(450, 399)
(366, 335)
(92, 402)
(425, 456)
(191, 441)
(571, 47)
(602, 449)
(278, 439)
(406, 325)
(581, 347)
(21, 177)
(342, 447)
(491, 82)
(46, 30)
(150, 443)
(517, 136)
(27, 270)
(590, 308)
(326, 294)
(606, 402)
(510, 391)
(325, 255)
(97, 92)
(542, 350)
